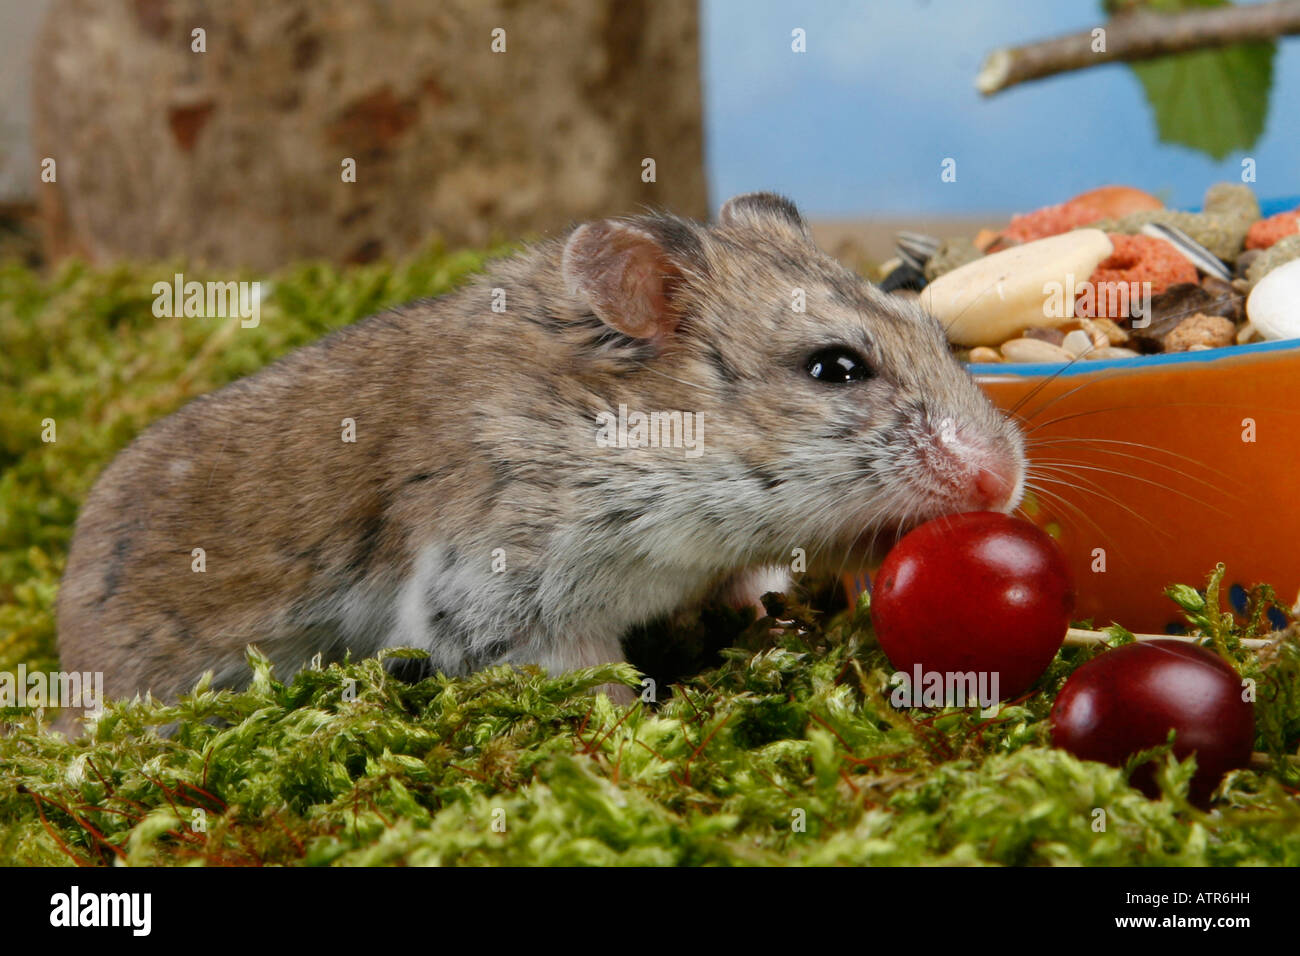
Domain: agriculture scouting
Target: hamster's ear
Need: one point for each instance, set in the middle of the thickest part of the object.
(625, 274)
(764, 211)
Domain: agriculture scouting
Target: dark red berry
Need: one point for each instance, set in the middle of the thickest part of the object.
(1129, 698)
(980, 592)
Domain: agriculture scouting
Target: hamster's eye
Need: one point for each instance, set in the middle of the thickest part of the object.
(838, 366)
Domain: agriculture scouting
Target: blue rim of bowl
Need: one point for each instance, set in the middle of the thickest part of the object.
(1163, 360)
(1268, 207)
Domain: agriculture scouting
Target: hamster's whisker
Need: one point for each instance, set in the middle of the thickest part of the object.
(805, 535)
(1075, 509)
(969, 306)
(1034, 442)
(1154, 464)
(1030, 416)
(1146, 481)
(848, 552)
(1092, 489)
(1101, 377)
(1078, 515)
(872, 523)
(1081, 483)
(875, 527)
(1150, 405)
(1048, 381)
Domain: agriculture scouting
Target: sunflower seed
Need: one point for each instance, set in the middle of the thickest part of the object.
(1199, 256)
(916, 248)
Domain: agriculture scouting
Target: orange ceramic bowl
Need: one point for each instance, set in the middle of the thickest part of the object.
(1149, 471)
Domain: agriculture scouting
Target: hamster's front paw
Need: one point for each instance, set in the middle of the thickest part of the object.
(746, 587)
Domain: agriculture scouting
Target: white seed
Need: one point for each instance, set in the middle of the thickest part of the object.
(1111, 352)
(1104, 331)
(1030, 285)
(1077, 343)
(1034, 350)
(1274, 304)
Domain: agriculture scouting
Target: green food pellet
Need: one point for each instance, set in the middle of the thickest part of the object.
(1232, 199)
(1280, 253)
(951, 254)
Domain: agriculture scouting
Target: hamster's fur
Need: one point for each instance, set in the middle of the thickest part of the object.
(477, 516)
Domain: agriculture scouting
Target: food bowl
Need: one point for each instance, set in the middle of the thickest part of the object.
(1151, 470)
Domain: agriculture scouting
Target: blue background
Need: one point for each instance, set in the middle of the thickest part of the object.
(860, 123)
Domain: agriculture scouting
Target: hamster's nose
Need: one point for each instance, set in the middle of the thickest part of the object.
(993, 487)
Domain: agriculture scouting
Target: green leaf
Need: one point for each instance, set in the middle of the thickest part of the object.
(1212, 100)
(1215, 101)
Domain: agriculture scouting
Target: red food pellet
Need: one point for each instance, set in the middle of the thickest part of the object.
(1268, 231)
(1051, 221)
(1135, 259)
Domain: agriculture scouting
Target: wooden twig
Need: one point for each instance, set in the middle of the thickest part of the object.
(1263, 761)
(1080, 637)
(1139, 35)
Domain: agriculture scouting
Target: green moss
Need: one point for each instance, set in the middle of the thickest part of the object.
(782, 750)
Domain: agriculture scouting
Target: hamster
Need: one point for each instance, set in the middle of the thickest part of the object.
(474, 475)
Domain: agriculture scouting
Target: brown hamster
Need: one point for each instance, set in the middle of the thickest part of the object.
(497, 502)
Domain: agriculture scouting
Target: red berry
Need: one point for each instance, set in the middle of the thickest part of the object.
(1129, 698)
(980, 592)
